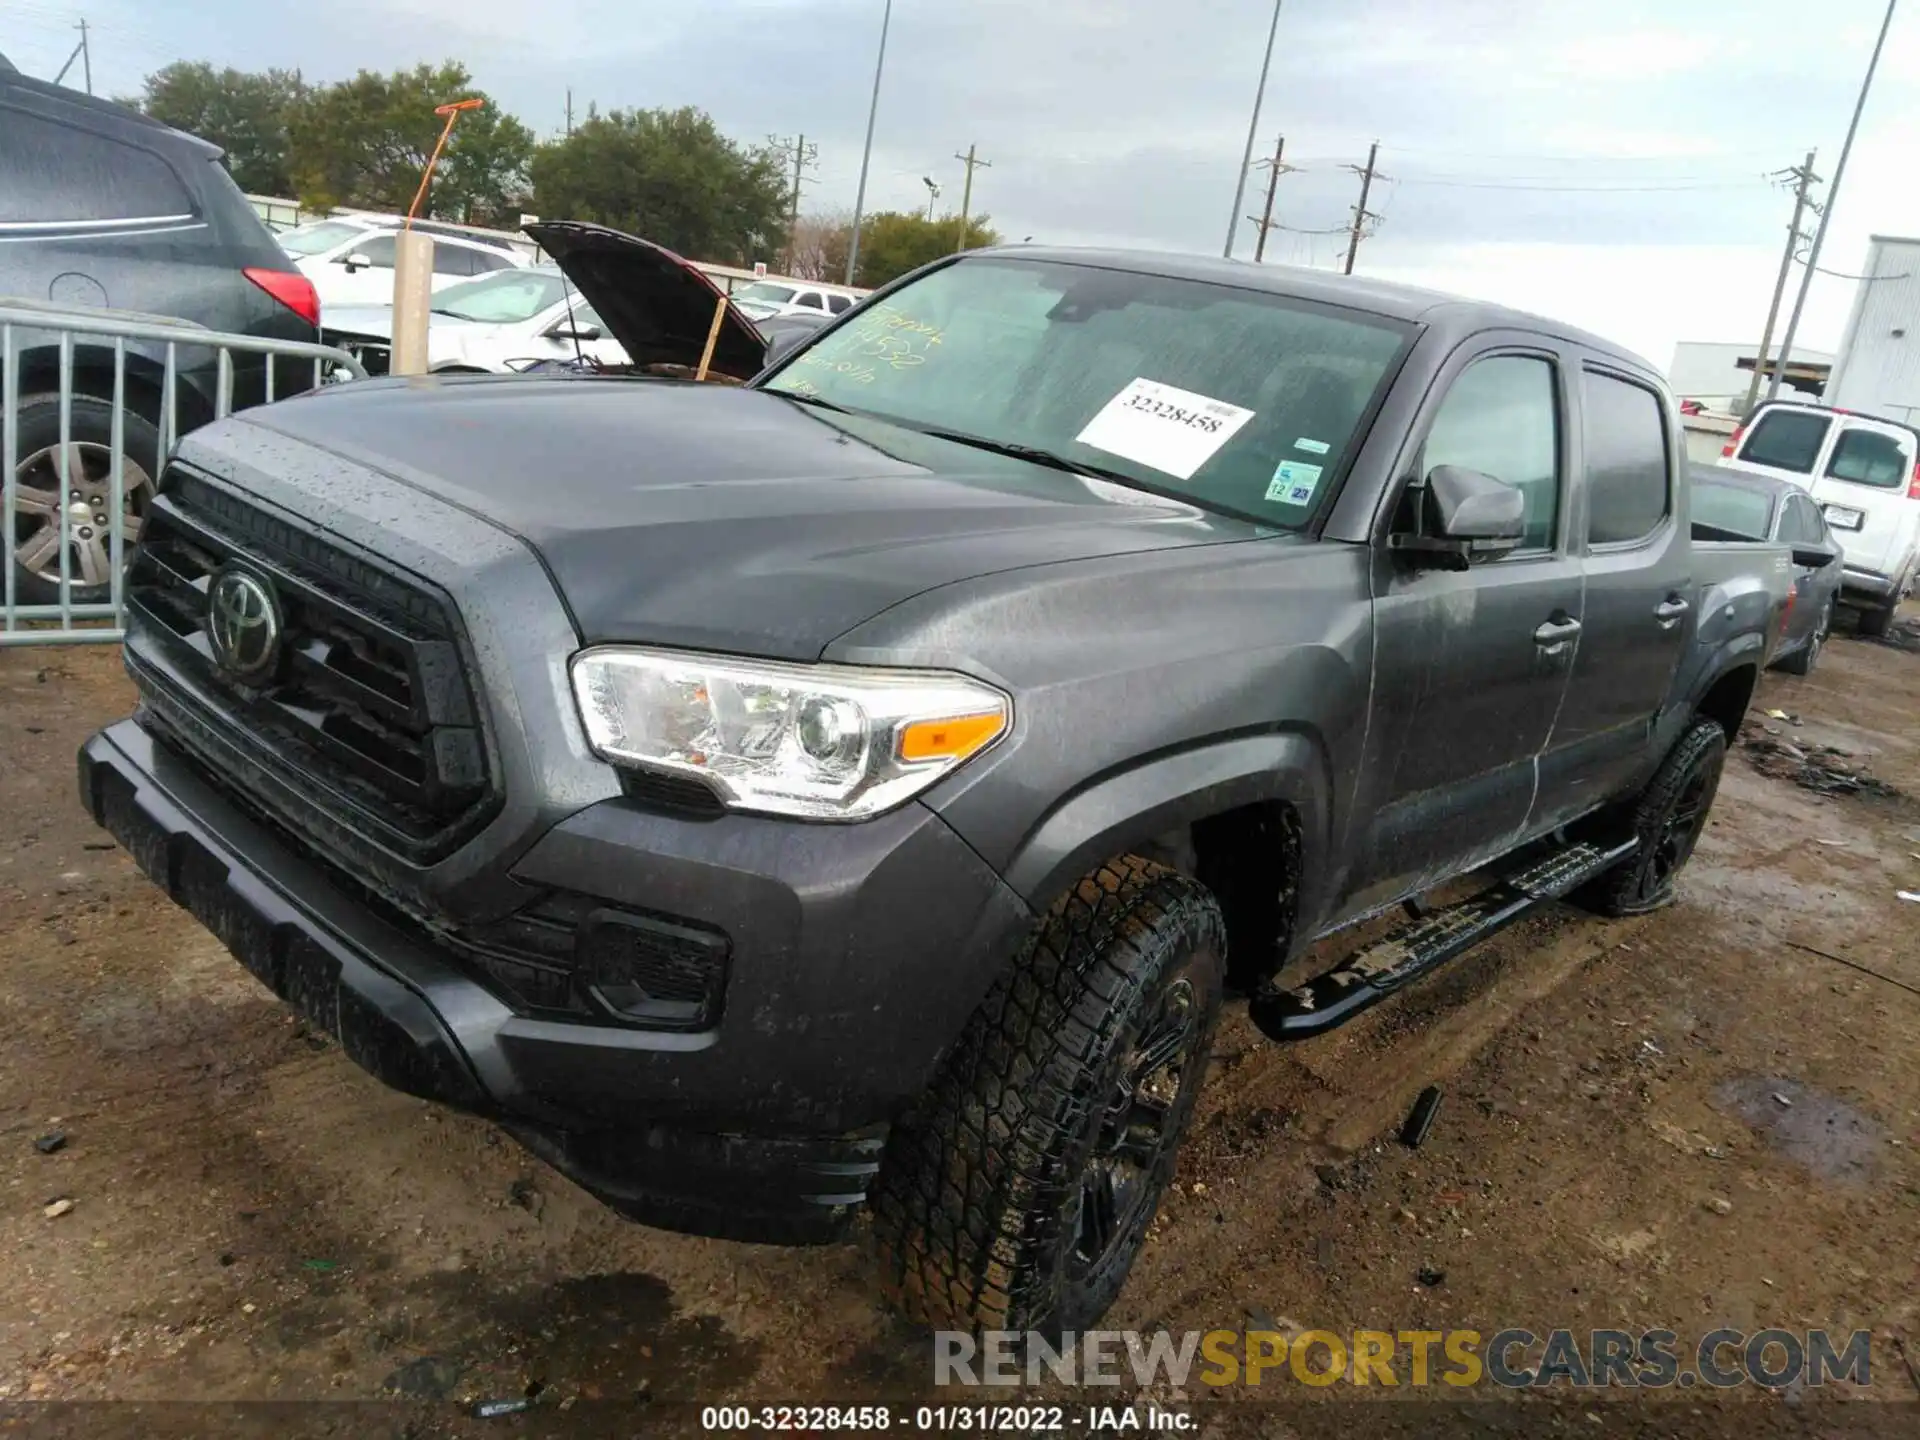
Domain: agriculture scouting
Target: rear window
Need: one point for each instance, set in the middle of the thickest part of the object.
(1868, 457)
(51, 172)
(1787, 440)
(1734, 509)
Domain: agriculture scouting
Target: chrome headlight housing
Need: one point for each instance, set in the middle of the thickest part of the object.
(819, 742)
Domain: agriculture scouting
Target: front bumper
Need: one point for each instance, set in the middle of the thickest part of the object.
(1866, 583)
(859, 953)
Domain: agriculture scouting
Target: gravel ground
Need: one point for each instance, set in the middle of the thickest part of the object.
(255, 1220)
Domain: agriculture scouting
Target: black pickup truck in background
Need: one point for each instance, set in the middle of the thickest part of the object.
(862, 787)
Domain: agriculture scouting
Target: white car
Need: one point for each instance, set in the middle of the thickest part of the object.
(764, 299)
(350, 259)
(502, 322)
(1864, 473)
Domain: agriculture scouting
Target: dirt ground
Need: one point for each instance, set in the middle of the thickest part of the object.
(254, 1219)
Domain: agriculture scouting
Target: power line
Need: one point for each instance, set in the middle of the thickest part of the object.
(1650, 189)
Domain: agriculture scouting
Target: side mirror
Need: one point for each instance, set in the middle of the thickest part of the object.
(566, 332)
(1462, 513)
(358, 260)
(1812, 557)
(783, 345)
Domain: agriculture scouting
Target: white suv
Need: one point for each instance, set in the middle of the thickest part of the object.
(764, 299)
(1865, 474)
(350, 259)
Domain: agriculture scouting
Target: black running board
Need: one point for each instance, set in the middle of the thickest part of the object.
(1368, 977)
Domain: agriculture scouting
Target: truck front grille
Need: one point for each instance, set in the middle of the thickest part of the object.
(366, 712)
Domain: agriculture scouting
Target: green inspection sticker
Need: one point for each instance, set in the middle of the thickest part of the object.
(1293, 483)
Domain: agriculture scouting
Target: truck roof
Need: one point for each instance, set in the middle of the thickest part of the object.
(1433, 308)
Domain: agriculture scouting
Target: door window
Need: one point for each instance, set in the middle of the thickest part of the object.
(1628, 463)
(1801, 524)
(1787, 440)
(377, 250)
(452, 260)
(1868, 457)
(839, 304)
(812, 299)
(1502, 419)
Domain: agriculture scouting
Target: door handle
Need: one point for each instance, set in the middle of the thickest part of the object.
(1554, 634)
(1669, 611)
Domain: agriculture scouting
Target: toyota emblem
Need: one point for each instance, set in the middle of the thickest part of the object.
(243, 623)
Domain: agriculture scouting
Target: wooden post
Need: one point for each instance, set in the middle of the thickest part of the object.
(412, 295)
(713, 337)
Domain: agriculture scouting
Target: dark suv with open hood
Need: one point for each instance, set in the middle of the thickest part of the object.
(862, 786)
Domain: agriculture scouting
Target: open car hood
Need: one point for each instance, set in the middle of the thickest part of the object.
(657, 305)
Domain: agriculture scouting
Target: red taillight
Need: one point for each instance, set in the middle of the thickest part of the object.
(1913, 485)
(291, 289)
(1786, 611)
(1726, 450)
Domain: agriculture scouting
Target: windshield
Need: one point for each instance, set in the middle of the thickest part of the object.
(765, 291)
(507, 298)
(1736, 509)
(312, 239)
(1237, 400)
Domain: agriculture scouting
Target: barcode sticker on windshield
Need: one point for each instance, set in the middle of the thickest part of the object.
(1293, 483)
(1173, 430)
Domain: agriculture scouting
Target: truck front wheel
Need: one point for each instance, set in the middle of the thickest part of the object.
(1666, 818)
(1019, 1191)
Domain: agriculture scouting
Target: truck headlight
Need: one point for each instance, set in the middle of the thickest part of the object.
(822, 742)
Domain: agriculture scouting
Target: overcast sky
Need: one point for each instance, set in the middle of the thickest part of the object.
(1602, 162)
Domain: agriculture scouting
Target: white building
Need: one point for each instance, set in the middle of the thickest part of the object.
(1878, 369)
(1712, 374)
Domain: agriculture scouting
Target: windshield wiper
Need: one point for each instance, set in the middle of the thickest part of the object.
(1034, 453)
(815, 400)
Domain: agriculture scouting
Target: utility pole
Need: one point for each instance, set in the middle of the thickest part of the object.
(1804, 179)
(804, 156)
(1253, 124)
(1360, 212)
(1275, 169)
(569, 110)
(82, 54)
(1833, 198)
(966, 191)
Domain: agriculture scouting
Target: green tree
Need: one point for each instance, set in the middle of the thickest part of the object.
(364, 142)
(243, 113)
(671, 176)
(892, 243)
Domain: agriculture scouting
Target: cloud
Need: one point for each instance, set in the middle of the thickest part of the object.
(1600, 159)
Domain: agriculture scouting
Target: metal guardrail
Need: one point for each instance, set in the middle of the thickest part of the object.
(80, 508)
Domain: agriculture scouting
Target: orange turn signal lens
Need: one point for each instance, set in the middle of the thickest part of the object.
(951, 739)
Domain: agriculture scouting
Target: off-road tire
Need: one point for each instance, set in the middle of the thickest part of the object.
(1802, 661)
(1686, 781)
(978, 1207)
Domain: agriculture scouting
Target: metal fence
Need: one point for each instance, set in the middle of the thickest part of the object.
(75, 505)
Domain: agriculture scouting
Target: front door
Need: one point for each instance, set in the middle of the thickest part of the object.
(1469, 666)
(1640, 597)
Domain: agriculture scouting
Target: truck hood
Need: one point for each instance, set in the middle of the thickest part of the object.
(723, 518)
(655, 304)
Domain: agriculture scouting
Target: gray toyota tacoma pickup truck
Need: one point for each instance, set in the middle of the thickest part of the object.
(858, 790)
